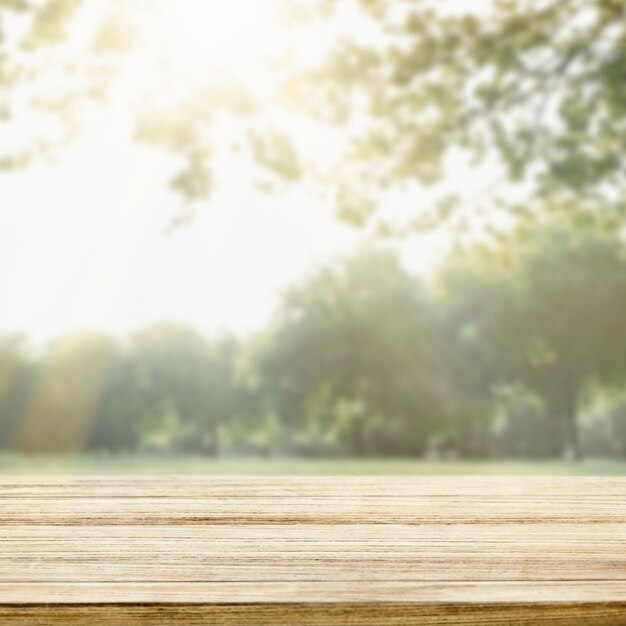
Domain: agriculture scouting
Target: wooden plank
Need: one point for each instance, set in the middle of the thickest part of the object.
(350, 510)
(417, 553)
(284, 550)
(307, 486)
(324, 592)
(362, 614)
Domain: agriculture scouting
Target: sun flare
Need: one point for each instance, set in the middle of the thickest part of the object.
(195, 37)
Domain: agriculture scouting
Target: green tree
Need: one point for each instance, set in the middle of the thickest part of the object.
(572, 292)
(531, 91)
(354, 351)
(534, 90)
(552, 322)
(17, 372)
(521, 427)
(185, 379)
(478, 339)
(54, 67)
(116, 423)
(65, 395)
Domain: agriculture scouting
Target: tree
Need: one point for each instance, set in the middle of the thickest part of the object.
(65, 394)
(54, 66)
(532, 90)
(16, 378)
(535, 89)
(117, 419)
(183, 378)
(354, 350)
(521, 427)
(572, 293)
(553, 323)
(478, 339)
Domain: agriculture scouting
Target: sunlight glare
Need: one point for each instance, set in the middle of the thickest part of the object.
(194, 37)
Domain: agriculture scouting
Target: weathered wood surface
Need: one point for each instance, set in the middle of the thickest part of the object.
(289, 550)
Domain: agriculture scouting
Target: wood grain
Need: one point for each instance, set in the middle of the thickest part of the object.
(323, 550)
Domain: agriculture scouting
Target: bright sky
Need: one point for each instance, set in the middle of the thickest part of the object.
(82, 243)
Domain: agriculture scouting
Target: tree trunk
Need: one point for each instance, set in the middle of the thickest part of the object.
(569, 421)
(358, 436)
(214, 442)
(563, 414)
(571, 448)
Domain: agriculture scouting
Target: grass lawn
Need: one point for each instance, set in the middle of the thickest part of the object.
(154, 464)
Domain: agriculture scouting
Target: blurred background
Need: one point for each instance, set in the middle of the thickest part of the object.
(313, 236)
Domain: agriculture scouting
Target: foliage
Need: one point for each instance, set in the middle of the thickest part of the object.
(53, 70)
(552, 323)
(527, 93)
(356, 347)
(534, 91)
(361, 359)
(181, 377)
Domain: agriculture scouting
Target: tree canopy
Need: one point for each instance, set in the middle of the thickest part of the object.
(529, 94)
(552, 322)
(363, 358)
(355, 347)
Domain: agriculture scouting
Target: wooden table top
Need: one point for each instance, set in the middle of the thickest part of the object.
(316, 550)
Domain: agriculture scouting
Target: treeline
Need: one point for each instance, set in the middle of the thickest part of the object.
(516, 350)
